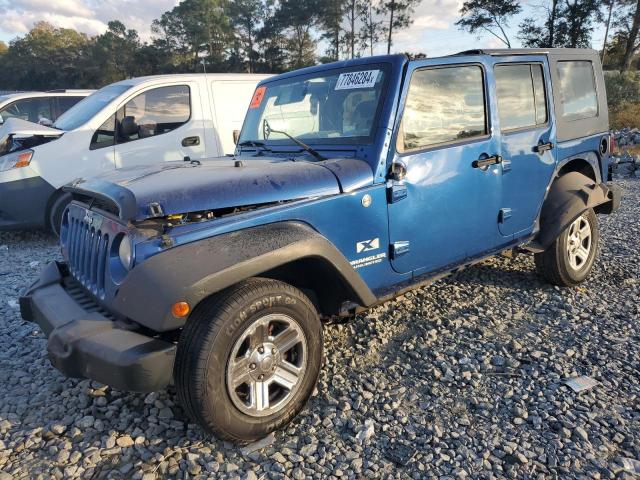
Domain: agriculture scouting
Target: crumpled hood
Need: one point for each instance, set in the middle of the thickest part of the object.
(181, 187)
(23, 129)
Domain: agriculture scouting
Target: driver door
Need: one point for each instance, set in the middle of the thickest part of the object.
(445, 208)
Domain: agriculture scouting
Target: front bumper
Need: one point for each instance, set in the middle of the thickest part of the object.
(23, 203)
(84, 343)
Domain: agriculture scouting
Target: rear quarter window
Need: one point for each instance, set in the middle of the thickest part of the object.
(578, 97)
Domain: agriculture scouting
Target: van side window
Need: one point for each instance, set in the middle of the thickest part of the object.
(154, 112)
(521, 98)
(30, 109)
(65, 103)
(443, 105)
(105, 135)
(578, 98)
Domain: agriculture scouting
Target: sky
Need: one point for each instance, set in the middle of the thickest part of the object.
(433, 31)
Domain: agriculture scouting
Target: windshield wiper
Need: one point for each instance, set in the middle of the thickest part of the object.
(267, 131)
(255, 144)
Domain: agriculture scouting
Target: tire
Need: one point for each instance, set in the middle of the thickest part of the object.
(225, 330)
(564, 263)
(54, 215)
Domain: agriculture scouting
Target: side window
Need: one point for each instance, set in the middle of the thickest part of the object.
(65, 103)
(31, 109)
(521, 97)
(443, 105)
(105, 135)
(154, 112)
(578, 98)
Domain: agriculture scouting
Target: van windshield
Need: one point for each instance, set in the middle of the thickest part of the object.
(338, 106)
(84, 110)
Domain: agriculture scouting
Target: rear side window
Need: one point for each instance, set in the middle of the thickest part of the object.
(521, 96)
(578, 98)
(443, 105)
(155, 112)
(31, 109)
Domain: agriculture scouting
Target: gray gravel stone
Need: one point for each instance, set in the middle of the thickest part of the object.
(468, 372)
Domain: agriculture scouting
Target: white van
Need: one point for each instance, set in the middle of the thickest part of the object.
(129, 123)
(39, 107)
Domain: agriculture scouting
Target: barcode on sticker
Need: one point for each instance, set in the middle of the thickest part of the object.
(365, 79)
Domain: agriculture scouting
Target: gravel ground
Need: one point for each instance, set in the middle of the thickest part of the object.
(461, 379)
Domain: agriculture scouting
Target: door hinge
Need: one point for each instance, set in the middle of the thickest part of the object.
(396, 193)
(399, 248)
(505, 214)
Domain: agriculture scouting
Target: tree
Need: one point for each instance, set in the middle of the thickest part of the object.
(246, 17)
(354, 11)
(331, 22)
(114, 53)
(398, 14)
(296, 20)
(610, 4)
(47, 57)
(632, 46)
(196, 25)
(578, 21)
(491, 16)
(569, 23)
(371, 29)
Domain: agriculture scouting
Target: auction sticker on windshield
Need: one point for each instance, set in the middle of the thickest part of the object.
(364, 79)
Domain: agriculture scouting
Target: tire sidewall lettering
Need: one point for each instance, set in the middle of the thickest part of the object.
(266, 302)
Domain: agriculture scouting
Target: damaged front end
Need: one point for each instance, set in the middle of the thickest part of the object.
(17, 135)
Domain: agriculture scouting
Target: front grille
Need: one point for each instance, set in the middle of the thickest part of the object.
(84, 300)
(88, 251)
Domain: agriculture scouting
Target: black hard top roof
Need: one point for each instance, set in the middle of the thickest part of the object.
(529, 51)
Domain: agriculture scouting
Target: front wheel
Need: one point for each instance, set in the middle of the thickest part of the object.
(54, 215)
(248, 359)
(569, 259)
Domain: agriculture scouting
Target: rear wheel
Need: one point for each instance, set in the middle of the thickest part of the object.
(569, 259)
(248, 359)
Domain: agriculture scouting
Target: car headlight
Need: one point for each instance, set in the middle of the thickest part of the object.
(124, 252)
(16, 160)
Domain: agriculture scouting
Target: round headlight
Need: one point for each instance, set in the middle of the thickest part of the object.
(124, 252)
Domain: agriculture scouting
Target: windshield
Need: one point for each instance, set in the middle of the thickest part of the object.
(84, 110)
(332, 107)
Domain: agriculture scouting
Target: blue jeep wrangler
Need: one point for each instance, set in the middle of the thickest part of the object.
(352, 182)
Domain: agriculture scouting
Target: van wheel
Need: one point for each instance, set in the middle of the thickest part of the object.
(248, 359)
(54, 215)
(569, 259)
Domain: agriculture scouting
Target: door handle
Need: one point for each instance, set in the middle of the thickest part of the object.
(543, 147)
(190, 141)
(485, 162)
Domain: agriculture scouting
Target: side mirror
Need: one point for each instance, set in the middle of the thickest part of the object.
(236, 136)
(45, 122)
(128, 126)
(1, 120)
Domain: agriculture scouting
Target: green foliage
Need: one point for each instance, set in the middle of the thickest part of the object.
(627, 115)
(491, 16)
(622, 88)
(563, 23)
(398, 15)
(623, 97)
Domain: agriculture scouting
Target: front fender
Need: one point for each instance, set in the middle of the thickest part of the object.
(569, 196)
(196, 270)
